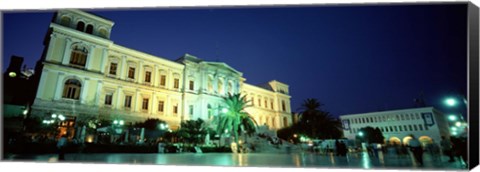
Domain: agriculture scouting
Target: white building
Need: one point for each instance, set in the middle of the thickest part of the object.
(396, 125)
(85, 74)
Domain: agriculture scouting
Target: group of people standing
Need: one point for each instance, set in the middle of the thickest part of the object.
(451, 148)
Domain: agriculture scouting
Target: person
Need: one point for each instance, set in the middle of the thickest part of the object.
(416, 149)
(62, 142)
(447, 148)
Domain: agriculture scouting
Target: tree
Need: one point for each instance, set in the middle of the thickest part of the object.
(317, 123)
(234, 119)
(193, 131)
(370, 135)
(150, 124)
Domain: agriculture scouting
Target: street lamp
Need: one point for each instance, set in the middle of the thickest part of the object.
(451, 102)
(452, 117)
(360, 134)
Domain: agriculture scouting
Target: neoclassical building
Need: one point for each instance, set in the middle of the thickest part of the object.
(82, 73)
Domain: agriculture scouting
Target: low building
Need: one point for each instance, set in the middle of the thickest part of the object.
(427, 124)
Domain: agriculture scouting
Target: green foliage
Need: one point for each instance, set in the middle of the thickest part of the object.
(371, 135)
(150, 124)
(193, 131)
(236, 120)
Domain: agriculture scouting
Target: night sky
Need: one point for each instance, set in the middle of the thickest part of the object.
(353, 59)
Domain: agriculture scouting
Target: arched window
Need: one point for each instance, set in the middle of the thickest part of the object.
(80, 26)
(71, 89)
(65, 21)
(103, 33)
(89, 29)
(78, 56)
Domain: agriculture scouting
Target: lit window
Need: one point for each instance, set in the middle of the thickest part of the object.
(113, 68)
(190, 85)
(163, 78)
(78, 56)
(145, 104)
(128, 101)
(131, 72)
(148, 74)
(160, 106)
(176, 83)
(108, 99)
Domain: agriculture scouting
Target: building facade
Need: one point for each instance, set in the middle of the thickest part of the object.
(425, 124)
(82, 73)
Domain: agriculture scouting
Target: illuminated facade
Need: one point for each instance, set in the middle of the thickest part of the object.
(425, 124)
(83, 73)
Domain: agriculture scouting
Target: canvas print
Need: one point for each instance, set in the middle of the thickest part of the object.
(366, 86)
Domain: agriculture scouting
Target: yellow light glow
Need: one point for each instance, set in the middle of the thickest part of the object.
(12, 74)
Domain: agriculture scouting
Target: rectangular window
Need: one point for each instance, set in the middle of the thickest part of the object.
(108, 99)
(426, 127)
(128, 101)
(405, 127)
(420, 127)
(400, 128)
(415, 127)
(381, 128)
(396, 129)
(283, 106)
(163, 78)
(271, 103)
(190, 85)
(391, 129)
(253, 101)
(259, 102)
(175, 109)
(145, 104)
(176, 83)
(190, 110)
(417, 116)
(410, 128)
(148, 74)
(131, 72)
(113, 69)
(160, 106)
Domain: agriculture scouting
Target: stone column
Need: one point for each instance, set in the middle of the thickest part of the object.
(142, 135)
(59, 86)
(97, 95)
(136, 100)
(140, 74)
(41, 85)
(155, 76)
(68, 48)
(119, 99)
(84, 91)
(103, 66)
(91, 51)
(123, 67)
(152, 103)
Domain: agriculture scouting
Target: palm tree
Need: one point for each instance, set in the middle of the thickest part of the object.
(234, 119)
(318, 123)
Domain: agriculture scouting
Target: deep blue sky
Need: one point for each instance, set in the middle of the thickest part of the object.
(353, 59)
